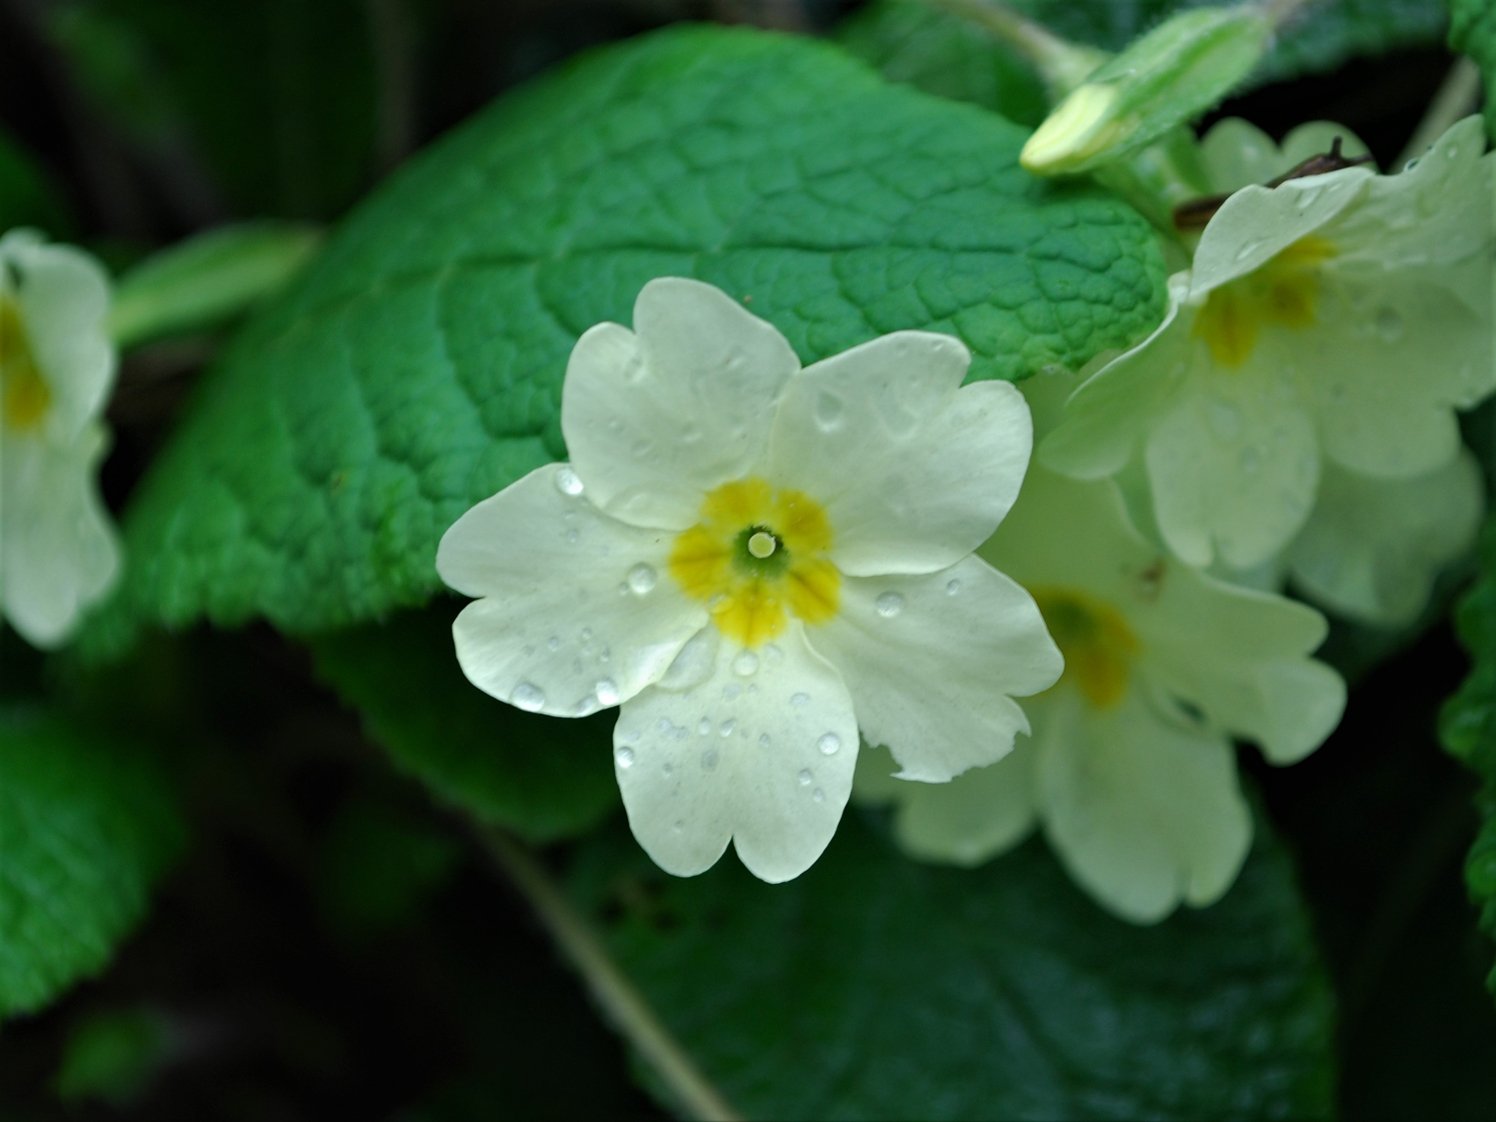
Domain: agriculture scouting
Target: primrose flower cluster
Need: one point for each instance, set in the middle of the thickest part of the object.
(778, 572)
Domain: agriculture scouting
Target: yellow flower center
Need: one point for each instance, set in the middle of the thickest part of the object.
(1094, 638)
(1281, 293)
(24, 396)
(756, 557)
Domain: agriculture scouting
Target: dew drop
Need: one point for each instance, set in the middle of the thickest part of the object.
(606, 691)
(704, 726)
(745, 665)
(665, 725)
(709, 760)
(829, 744)
(568, 482)
(805, 777)
(667, 769)
(586, 634)
(1248, 248)
(1225, 418)
(528, 696)
(624, 757)
(572, 537)
(731, 691)
(829, 411)
(641, 449)
(725, 729)
(800, 699)
(773, 653)
(764, 740)
(818, 795)
(553, 643)
(889, 604)
(952, 587)
(641, 579)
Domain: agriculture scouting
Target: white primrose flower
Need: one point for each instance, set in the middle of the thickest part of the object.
(756, 561)
(57, 549)
(1340, 317)
(1130, 768)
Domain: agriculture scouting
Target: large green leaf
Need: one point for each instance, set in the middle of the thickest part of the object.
(542, 777)
(417, 368)
(1468, 728)
(917, 42)
(86, 824)
(1473, 31)
(874, 987)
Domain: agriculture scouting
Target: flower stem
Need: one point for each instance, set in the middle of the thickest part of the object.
(1457, 97)
(1063, 65)
(621, 1001)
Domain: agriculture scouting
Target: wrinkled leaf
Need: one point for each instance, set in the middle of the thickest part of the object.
(875, 987)
(417, 367)
(86, 826)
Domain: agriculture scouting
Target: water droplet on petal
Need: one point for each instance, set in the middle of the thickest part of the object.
(606, 691)
(829, 744)
(624, 757)
(709, 760)
(704, 726)
(667, 769)
(800, 699)
(1248, 248)
(818, 795)
(642, 448)
(731, 691)
(829, 411)
(773, 653)
(641, 579)
(665, 725)
(572, 537)
(805, 777)
(952, 587)
(725, 729)
(745, 665)
(553, 643)
(528, 696)
(889, 604)
(568, 482)
(764, 740)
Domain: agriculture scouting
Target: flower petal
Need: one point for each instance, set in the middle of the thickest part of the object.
(577, 612)
(63, 298)
(1233, 467)
(1145, 813)
(1372, 547)
(914, 472)
(932, 659)
(976, 816)
(58, 553)
(656, 417)
(761, 752)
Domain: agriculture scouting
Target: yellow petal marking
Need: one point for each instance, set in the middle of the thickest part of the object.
(24, 396)
(1282, 292)
(756, 556)
(1094, 638)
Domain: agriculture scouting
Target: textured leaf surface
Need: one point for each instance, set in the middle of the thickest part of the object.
(542, 777)
(874, 987)
(1473, 31)
(1468, 728)
(417, 368)
(85, 827)
(911, 41)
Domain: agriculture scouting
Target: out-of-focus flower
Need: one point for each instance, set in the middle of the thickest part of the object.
(1130, 768)
(58, 552)
(756, 562)
(1342, 317)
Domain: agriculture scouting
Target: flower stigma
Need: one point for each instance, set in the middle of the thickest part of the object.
(757, 556)
(1281, 293)
(1096, 641)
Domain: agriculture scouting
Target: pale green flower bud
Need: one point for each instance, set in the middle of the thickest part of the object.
(1177, 71)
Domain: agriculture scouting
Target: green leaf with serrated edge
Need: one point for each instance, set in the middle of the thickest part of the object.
(417, 367)
(1472, 31)
(876, 987)
(1468, 729)
(87, 823)
(917, 42)
(542, 777)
